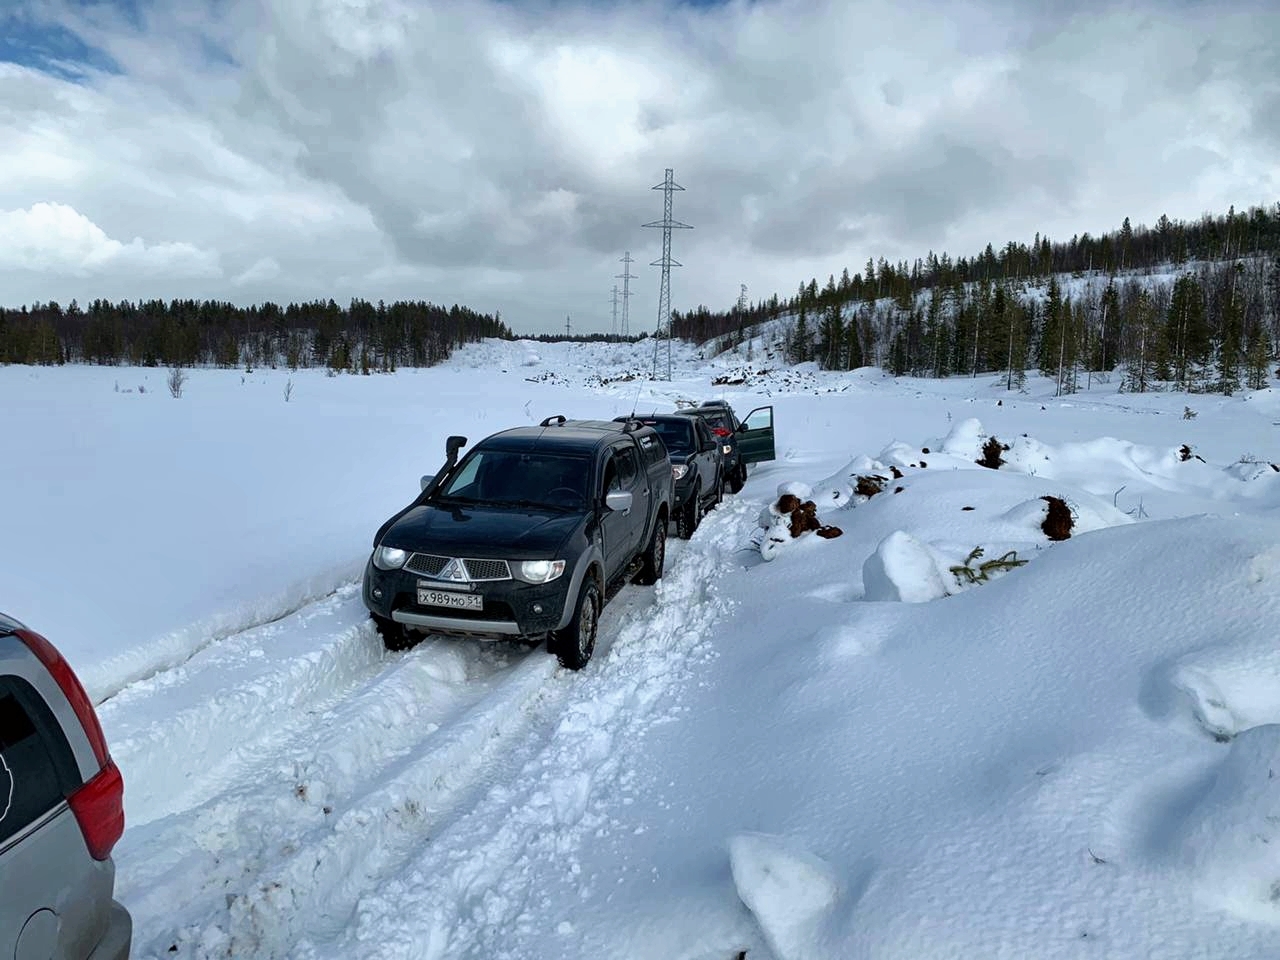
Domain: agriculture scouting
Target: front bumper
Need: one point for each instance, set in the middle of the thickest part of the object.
(512, 608)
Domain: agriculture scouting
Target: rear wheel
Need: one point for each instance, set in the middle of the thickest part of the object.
(394, 636)
(655, 556)
(738, 478)
(720, 483)
(574, 644)
(690, 515)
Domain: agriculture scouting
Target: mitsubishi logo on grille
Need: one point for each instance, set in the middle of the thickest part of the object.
(455, 571)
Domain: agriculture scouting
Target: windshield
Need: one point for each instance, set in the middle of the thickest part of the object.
(677, 435)
(524, 479)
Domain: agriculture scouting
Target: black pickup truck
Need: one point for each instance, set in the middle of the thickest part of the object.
(524, 537)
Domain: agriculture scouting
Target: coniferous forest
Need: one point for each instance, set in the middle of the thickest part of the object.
(1193, 306)
(361, 337)
(1189, 306)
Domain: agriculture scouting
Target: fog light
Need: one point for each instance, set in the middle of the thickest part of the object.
(537, 608)
(377, 593)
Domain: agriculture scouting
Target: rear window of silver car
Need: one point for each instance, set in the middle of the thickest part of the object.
(37, 768)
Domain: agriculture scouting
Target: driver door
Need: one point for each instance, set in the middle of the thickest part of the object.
(622, 528)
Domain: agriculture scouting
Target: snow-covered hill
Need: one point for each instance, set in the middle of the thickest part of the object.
(849, 750)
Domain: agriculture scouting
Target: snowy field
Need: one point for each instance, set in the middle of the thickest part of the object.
(847, 750)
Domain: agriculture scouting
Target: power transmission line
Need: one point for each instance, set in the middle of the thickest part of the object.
(626, 276)
(668, 186)
(615, 309)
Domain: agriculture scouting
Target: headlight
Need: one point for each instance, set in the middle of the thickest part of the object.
(678, 470)
(389, 558)
(541, 571)
(726, 449)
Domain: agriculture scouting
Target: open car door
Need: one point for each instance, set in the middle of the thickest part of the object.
(755, 436)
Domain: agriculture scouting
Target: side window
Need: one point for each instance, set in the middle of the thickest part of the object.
(612, 481)
(653, 450)
(760, 418)
(37, 768)
(628, 466)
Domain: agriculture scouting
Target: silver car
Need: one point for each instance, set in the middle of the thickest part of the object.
(61, 811)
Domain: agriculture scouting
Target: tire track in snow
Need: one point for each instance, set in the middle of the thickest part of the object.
(337, 781)
(471, 884)
(178, 735)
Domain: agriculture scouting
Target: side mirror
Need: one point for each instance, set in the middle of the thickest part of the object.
(426, 482)
(618, 500)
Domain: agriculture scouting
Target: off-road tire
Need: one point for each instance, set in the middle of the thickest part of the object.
(655, 556)
(690, 515)
(738, 478)
(574, 644)
(720, 485)
(394, 636)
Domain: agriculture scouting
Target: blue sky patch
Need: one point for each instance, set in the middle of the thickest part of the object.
(49, 47)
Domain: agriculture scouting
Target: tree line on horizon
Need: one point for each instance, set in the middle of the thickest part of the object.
(1195, 305)
(360, 337)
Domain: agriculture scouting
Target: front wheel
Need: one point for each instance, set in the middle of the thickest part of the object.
(574, 644)
(394, 636)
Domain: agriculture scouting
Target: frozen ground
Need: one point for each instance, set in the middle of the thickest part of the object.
(847, 750)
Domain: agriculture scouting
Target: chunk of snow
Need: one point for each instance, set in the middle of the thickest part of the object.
(796, 488)
(1231, 687)
(788, 889)
(1234, 833)
(965, 438)
(902, 568)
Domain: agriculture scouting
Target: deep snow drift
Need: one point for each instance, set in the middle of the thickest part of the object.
(882, 744)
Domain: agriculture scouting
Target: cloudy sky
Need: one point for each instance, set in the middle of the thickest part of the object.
(500, 153)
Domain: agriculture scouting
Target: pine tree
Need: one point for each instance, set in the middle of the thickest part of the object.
(800, 350)
(1144, 333)
(1229, 346)
(831, 338)
(853, 341)
(1051, 331)
(1257, 376)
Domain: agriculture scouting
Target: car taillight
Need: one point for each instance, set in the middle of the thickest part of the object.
(98, 804)
(720, 431)
(99, 809)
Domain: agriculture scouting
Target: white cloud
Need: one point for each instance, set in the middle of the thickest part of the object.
(52, 237)
(262, 270)
(386, 148)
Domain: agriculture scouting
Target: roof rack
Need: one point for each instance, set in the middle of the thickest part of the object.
(554, 420)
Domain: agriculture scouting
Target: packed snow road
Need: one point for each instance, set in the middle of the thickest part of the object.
(294, 788)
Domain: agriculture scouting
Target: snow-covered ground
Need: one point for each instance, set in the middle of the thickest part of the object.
(846, 750)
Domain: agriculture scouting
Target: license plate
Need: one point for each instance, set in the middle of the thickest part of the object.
(450, 598)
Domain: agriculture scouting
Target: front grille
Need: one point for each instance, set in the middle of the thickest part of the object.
(488, 569)
(425, 564)
(430, 565)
